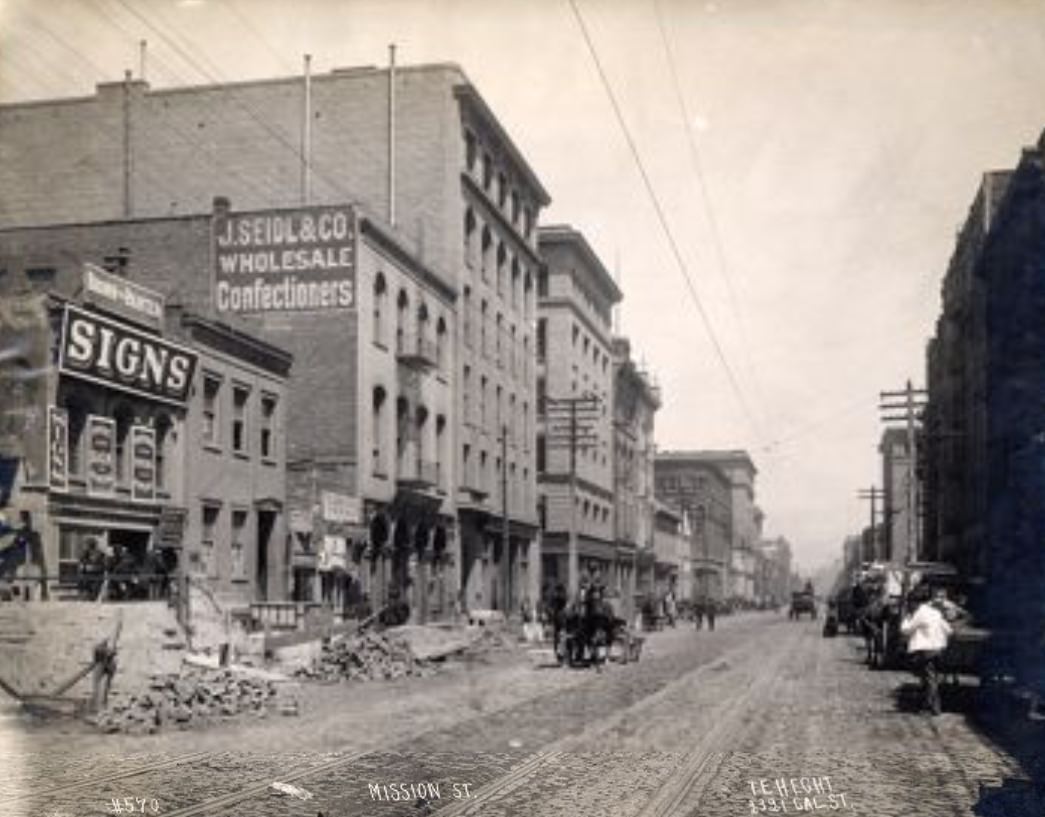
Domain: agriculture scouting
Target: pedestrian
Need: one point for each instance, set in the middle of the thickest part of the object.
(698, 614)
(558, 615)
(711, 614)
(927, 631)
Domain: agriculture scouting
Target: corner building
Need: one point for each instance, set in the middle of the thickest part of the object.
(417, 145)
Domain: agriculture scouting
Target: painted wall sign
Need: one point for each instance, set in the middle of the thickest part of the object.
(143, 463)
(101, 455)
(285, 261)
(112, 353)
(131, 301)
(58, 448)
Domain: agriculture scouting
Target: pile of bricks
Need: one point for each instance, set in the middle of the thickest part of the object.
(367, 657)
(190, 699)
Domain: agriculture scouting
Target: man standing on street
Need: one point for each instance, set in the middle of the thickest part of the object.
(927, 631)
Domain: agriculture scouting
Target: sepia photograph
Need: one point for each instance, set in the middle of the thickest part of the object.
(522, 408)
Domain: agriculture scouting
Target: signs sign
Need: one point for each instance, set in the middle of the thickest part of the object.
(285, 261)
(341, 508)
(115, 354)
(171, 529)
(143, 463)
(131, 301)
(57, 448)
(101, 455)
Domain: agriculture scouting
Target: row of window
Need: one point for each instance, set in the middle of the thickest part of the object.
(500, 342)
(415, 331)
(512, 279)
(486, 471)
(420, 441)
(240, 419)
(211, 520)
(79, 408)
(476, 408)
(498, 187)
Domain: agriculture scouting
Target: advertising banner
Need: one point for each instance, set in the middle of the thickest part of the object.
(333, 554)
(131, 301)
(285, 261)
(115, 354)
(341, 508)
(143, 463)
(58, 449)
(101, 455)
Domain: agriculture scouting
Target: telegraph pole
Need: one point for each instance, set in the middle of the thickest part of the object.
(505, 535)
(905, 407)
(873, 494)
(571, 425)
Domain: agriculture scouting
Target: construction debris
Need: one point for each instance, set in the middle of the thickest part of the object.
(366, 657)
(192, 698)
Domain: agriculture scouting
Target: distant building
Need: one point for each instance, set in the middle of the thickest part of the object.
(746, 518)
(701, 489)
(636, 400)
(776, 564)
(897, 538)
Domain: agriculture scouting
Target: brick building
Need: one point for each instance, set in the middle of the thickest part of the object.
(898, 544)
(113, 439)
(745, 517)
(417, 145)
(954, 471)
(576, 296)
(636, 400)
(701, 489)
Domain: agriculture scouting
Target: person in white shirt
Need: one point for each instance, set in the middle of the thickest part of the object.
(927, 631)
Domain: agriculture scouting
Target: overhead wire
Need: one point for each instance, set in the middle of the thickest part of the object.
(213, 75)
(718, 245)
(664, 225)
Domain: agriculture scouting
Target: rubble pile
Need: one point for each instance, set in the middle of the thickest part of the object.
(366, 657)
(188, 699)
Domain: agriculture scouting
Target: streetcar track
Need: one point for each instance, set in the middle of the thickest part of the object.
(109, 778)
(550, 753)
(698, 758)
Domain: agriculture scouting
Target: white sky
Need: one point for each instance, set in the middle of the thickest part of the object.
(841, 143)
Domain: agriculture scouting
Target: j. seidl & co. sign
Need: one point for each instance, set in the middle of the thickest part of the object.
(117, 355)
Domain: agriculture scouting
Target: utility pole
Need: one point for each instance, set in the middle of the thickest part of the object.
(505, 534)
(873, 494)
(571, 425)
(905, 407)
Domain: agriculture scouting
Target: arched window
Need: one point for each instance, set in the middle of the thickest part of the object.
(440, 448)
(487, 250)
(377, 430)
(527, 295)
(466, 315)
(422, 328)
(402, 430)
(402, 307)
(515, 283)
(421, 421)
(469, 237)
(502, 260)
(440, 343)
(380, 295)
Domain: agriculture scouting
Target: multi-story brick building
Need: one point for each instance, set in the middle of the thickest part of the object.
(122, 444)
(702, 490)
(370, 469)
(672, 541)
(954, 467)
(636, 400)
(745, 517)
(417, 145)
(575, 368)
(898, 543)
